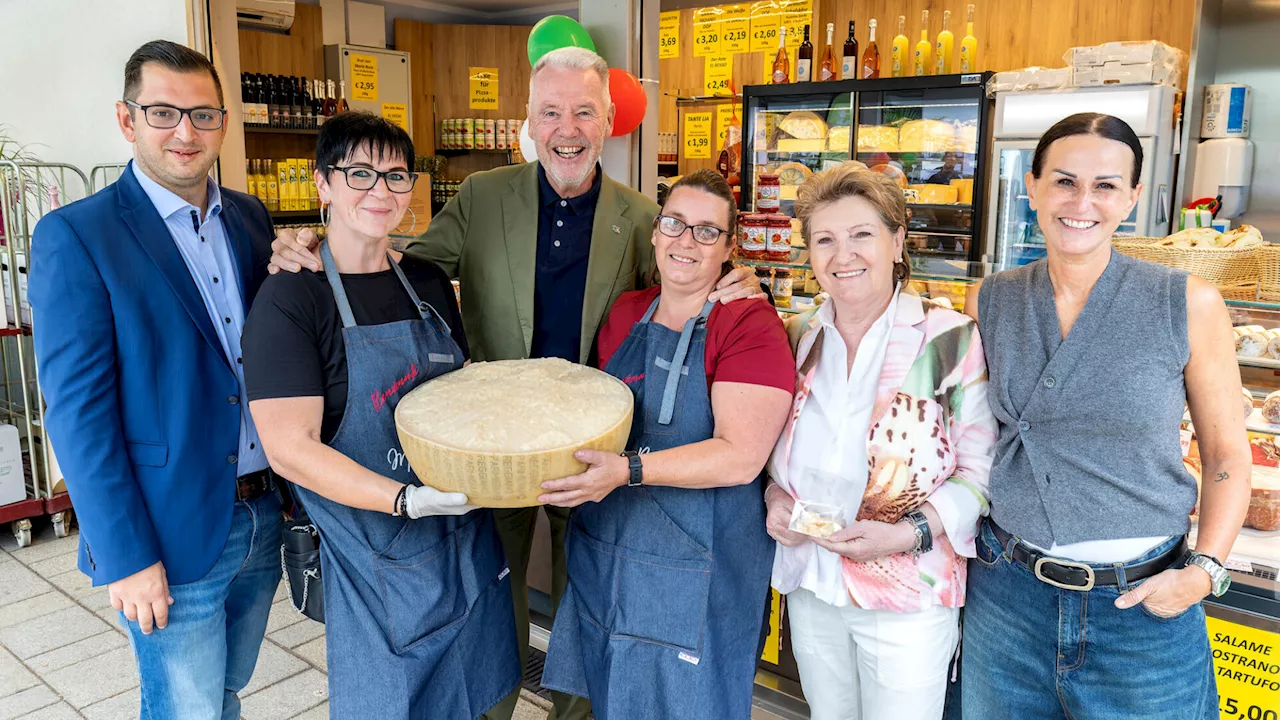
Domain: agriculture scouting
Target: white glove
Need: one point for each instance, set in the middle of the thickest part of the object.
(423, 500)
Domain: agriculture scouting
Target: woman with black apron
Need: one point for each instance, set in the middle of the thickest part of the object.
(668, 557)
(417, 609)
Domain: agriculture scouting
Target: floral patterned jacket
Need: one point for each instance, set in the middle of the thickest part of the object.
(931, 439)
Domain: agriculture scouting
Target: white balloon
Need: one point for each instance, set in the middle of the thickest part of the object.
(527, 148)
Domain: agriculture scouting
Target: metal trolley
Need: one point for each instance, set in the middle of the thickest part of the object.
(28, 191)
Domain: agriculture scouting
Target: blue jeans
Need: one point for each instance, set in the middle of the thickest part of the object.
(194, 667)
(1032, 651)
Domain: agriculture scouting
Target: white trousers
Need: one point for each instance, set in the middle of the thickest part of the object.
(858, 664)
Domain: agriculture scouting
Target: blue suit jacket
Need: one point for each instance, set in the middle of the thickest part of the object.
(136, 381)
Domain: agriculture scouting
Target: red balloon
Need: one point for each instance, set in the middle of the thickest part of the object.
(629, 99)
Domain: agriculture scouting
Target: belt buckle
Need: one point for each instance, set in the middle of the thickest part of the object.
(1088, 585)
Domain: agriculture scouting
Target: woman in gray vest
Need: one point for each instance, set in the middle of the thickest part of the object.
(1084, 600)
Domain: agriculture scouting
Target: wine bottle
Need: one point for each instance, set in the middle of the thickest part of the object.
(804, 59)
(849, 58)
(342, 98)
(969, 47)
(871, 58)
(295, 102)
(273, 101)
(900, 49)
(924, 48)
(946, 43)
(828, 68)
(782, 63)
(308, 113)
(250, 178)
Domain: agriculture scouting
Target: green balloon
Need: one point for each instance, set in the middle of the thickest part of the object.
(554, 32)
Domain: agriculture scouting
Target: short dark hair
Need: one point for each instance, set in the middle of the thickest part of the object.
(171, 55)
(711, 182)
(346, 132)
(1103, 126)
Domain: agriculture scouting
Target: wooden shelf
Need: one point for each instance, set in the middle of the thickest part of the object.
(481, 151)
(262, 130)
(295, 214)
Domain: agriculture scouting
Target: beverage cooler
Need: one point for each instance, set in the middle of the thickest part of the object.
(1013, 236)
(929, 134)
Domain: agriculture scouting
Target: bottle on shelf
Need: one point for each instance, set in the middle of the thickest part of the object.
(295, 103)
(250, 178)
(311, 184)
(969, 47)
(273, 101)
(264, 112)
(871, 58)
(317, 101)
(273, 185)
(946, 43)
(781, 62)
(308, 114)
(924, 48)
(246, 108)
(827, 71)
(342, 98)
(900, 49)
(804, 59)
(849, 58)
(330, 101)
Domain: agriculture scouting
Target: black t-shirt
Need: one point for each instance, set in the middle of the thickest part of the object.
(292, 341)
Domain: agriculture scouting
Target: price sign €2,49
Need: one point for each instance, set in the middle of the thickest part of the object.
(717, 73)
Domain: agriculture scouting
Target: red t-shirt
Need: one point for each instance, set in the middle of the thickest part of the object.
(746, 342)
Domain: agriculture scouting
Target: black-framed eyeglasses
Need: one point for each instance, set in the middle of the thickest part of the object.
(167, 117)
(364, 178)
(674, 227)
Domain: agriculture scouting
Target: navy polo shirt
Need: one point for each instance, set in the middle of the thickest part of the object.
(560, 280)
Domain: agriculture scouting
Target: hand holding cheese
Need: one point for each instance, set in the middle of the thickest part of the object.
(424, 500)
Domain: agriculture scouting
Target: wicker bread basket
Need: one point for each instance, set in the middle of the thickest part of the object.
(1269, 273)
(1235, 271)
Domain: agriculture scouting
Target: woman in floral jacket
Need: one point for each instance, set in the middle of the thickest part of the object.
(891, 433)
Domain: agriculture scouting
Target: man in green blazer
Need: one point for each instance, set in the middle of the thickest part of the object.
(542, 250)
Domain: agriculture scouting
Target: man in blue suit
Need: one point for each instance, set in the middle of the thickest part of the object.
(140, 293)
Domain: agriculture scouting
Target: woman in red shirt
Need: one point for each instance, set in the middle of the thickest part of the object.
(668, 558)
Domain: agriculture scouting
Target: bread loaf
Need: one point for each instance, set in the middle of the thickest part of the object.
(1271, 408)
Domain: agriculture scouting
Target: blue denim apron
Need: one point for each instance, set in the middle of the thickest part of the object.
(418, 614)
(662, 614)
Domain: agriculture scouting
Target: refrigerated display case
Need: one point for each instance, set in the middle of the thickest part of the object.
(1013, 236)
(929, 134)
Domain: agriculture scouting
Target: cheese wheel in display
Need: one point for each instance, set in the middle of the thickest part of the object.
(936, 194)
(893, 172)
(804, 124)
(927, 136)
(964, 190)
(793, 173)
(497, 430)
(838, 139)
(877, 138)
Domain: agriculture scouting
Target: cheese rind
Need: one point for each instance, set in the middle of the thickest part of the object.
(496, 431)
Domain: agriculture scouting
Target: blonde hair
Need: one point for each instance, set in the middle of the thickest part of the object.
(574, 58)
(855, 180)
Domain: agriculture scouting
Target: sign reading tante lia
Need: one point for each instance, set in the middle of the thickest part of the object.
(1247, 664)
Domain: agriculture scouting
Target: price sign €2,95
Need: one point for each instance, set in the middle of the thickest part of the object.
(364, 77)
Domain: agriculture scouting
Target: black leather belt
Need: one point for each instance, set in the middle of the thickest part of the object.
(1071, 575)
(254, 485)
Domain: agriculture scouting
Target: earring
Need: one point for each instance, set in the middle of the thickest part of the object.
(415, 221)
(325, 214)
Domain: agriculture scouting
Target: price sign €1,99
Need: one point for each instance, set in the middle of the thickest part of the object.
(697, 135)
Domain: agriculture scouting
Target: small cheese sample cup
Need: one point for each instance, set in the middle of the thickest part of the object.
(816, 519)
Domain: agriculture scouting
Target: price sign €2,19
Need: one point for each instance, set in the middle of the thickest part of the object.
(735, 29)
(697, 135)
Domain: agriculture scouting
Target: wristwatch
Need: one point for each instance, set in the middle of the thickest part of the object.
(1218, 574)
(633, 464)
(924, 536)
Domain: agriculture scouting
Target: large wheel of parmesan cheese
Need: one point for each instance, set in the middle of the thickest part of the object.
(497, 430)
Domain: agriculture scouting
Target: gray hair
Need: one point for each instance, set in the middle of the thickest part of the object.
(574, 58)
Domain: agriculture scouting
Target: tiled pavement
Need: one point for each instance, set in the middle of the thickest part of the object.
(62, 654)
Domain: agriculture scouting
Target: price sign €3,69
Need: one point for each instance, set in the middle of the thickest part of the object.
(669, 35)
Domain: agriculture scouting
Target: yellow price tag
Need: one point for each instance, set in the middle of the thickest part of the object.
(669, 35)
(795, 15)
(765, 22)
(735, 29)
(773, 643)
(397, 113)
(697, 135)
(716, 75)
(723, 114)
(706, 31)
(364, 77)
(1247, 664)
(484, 88)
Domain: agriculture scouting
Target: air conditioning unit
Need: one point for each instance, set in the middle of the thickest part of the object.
(265, 14)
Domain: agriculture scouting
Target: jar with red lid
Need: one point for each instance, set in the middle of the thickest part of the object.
(753, 228)
(768, 193)
(778, 239)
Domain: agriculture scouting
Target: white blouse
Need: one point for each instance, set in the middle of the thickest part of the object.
(829, 452)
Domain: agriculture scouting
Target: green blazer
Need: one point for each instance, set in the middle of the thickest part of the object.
(487, 238)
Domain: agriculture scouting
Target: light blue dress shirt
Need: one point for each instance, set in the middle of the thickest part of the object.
(207, 252)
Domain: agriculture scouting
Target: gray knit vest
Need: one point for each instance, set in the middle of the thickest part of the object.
(1089, 444)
